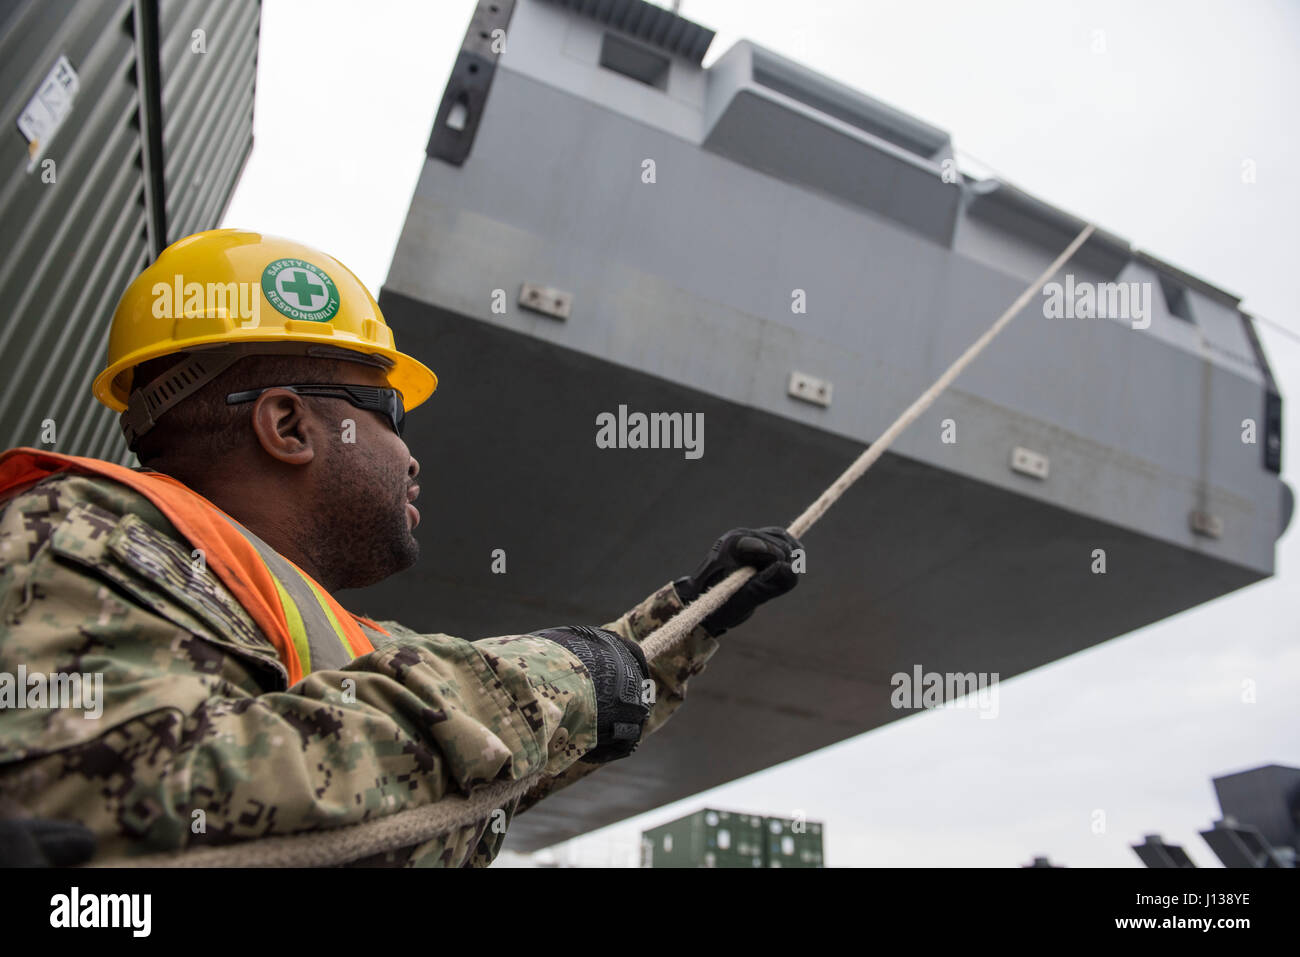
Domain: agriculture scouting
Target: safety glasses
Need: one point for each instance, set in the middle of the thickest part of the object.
(371, 398)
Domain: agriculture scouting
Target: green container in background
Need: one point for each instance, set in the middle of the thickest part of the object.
(714, 838)
(792, 842)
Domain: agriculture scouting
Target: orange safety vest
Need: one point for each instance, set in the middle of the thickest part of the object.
(309, 629)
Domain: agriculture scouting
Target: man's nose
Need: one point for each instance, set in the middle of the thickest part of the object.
(413, 469)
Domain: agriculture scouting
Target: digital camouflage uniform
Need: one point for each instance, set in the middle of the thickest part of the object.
(198, 714)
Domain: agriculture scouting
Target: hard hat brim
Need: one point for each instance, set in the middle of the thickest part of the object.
(408, 375)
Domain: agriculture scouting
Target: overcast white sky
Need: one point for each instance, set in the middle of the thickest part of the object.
(1146, 139)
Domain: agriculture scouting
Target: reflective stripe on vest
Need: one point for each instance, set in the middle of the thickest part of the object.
(275, 600)
(316, 633)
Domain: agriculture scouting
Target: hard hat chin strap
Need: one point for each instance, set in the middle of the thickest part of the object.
(146, 405)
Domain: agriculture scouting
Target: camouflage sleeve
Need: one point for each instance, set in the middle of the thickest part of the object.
(670, 672)
(182, 731)
(395, 630)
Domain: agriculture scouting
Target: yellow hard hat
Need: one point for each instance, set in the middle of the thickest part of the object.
(234, 292)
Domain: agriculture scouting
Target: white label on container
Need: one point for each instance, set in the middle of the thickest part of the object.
(46, 111)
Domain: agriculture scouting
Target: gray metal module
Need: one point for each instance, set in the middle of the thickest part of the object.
(772, 183)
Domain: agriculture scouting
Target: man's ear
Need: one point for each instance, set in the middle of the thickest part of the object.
(284, 427)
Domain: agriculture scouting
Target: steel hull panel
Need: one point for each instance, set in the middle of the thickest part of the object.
(915, 566)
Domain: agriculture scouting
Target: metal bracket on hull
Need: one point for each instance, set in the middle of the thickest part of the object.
(555, 303)
(467, 89)
(810, 389)
(1028, 462)
(1203, 523)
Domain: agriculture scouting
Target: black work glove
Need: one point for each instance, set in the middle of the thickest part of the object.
(619, 671)
(33, 842)
(770, 550)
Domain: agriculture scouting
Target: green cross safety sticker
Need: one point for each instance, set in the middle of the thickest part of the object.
(300, 290)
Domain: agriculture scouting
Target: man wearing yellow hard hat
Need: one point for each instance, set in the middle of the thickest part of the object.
(175, 670)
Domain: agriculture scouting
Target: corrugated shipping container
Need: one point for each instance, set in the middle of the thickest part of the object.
(129, 125)
(709, 838)
(790, 842)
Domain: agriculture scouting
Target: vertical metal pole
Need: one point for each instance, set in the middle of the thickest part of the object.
(148, 73)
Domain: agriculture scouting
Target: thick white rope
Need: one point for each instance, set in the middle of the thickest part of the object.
(351, 842)
(419, 824)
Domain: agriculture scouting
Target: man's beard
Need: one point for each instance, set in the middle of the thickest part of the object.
(365, 535)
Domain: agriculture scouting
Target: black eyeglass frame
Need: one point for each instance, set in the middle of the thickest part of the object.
(385, 401)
